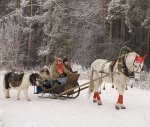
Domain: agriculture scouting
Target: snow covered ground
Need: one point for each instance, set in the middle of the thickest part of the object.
(80, 112)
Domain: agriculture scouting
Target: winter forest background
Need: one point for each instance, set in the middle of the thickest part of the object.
(32, 32)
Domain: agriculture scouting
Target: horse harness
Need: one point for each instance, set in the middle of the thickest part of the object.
(121, 69)
(136, 71)
(122, 66)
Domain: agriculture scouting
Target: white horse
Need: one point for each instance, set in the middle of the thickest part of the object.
(20, 82)
(101, 69)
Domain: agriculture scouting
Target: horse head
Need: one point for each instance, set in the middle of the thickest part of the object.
(134, 63)
(33, 78)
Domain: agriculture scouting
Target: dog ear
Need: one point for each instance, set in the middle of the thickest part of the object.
(35, 74)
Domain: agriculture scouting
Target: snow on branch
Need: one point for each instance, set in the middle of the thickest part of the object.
(44, 51)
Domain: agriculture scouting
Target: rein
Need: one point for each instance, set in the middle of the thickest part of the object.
(139, 67)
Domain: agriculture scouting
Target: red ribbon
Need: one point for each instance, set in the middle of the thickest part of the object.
(140, 59)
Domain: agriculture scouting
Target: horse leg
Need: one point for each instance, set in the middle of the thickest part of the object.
(97, 84)
(119, 104)
(126, 88)
(99, 102)
(112, 85)
(104, 87)
(96, 96)
(122, 105)
(18, 93)
(100, 90)
(25, 90)
(7, 95)
(123, 88)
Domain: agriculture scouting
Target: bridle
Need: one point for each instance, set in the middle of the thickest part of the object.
(137, 70)
(134, 71)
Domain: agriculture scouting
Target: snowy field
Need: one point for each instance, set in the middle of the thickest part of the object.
(80, 112)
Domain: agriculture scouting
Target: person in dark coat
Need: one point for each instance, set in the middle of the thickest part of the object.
(67, 64)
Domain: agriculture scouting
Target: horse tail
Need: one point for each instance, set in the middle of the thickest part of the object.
(91, 87)
(6, 81)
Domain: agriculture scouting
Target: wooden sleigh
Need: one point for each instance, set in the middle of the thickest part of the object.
(60, 91)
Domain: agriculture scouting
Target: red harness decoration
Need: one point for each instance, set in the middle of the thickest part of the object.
(140, 59)
(120, 99)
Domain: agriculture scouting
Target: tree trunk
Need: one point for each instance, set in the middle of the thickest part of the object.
(102, 11)
(30, 36)
(17, 36)
(18, 3)
(51, 26)
(47, 59)
(123, 28)
(111, 30)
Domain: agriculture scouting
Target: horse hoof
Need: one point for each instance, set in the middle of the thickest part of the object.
(112, 86)
(122, 106)
(7, 97)
(99, 103)
(117, 106)
(28, 100)
(94, 101)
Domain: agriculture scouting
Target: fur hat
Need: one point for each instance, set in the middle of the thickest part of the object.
(65, 59)
(46, 67)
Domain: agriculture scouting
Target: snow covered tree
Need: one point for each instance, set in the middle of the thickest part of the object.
(10, 38)
(57, 26)
(116, 11)
(146, 25)
(78, 29)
